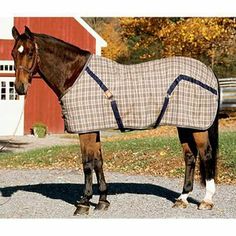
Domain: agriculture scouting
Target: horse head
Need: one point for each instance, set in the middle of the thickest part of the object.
(25, 55)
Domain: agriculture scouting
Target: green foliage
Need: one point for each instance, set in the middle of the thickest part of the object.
(39, 130)
(138, 39)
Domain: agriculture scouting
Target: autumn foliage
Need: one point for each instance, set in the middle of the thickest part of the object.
(116, 45)
(197, 37)
(137, 39)
(142, 35)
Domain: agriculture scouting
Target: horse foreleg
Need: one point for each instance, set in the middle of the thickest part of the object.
(88, 147)
(207, 168)
(103, 204)
(189, 150)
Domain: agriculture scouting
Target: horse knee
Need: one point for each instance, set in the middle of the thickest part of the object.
(189, 159)
(87, 167)
(205, 153)
(88, 161)
(92, 159)
(98, 163)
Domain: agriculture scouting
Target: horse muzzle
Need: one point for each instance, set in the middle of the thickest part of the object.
(21, 88)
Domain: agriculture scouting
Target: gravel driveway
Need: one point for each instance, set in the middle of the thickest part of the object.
(52, 194)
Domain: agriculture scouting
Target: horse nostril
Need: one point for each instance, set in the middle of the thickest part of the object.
(20, 89)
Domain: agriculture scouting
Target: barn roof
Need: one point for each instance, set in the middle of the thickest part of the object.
(8, 22)
(102, 42)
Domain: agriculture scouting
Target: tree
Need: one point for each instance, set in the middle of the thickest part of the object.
(137, 39)
(109, 29)
(201, 38)
(141, 35)
(117, 47)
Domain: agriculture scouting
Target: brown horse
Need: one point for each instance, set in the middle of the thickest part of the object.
(59, 64)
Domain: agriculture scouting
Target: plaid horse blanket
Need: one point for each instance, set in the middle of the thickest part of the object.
(176, 91)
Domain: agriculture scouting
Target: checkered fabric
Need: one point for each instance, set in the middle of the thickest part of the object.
(140, 91)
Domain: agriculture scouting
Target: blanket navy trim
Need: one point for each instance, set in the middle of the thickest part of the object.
(172, 88)
(113, 102)
(98, 81)
(117, 116)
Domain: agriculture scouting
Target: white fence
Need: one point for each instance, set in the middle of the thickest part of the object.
(228, 93)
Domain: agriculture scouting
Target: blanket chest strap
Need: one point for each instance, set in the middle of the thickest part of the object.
(108, 95)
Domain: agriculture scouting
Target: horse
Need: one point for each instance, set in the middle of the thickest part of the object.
(59, 64)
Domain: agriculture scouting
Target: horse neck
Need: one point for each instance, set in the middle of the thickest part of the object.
(60, 63)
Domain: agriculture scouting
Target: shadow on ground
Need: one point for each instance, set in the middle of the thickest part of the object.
(6, 146)
(71, 193)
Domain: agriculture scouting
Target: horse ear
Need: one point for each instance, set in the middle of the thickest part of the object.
(15, 33)
(28, 33)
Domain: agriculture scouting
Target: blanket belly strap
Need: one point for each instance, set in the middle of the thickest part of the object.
(109, 96)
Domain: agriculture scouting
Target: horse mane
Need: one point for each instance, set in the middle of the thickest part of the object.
(60, 62)
(55, 46)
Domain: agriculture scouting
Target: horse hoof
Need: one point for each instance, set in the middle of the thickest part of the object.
(205, 205)
(180, 204)
(81, 210)
(102, 206)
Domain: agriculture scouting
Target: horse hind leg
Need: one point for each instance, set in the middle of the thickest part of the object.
(207, 168)
(190, 154)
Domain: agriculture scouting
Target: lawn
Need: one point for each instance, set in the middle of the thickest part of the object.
(131, 154)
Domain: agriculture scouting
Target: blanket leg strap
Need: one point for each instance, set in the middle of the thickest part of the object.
(109, 96)
(172, 88)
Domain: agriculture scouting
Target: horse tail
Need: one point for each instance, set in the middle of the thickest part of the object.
(213, 134)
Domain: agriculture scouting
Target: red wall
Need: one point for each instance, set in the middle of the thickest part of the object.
(41, 103)
(5, 49)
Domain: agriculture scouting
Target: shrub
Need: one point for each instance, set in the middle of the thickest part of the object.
(39, 130)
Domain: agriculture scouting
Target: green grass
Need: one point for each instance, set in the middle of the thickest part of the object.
(145, 145)
(227, 148)
(40, 157)
(150, 155)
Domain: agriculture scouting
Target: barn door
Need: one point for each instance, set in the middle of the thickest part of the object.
(11, 108)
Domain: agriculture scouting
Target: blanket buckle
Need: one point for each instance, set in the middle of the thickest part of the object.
(108, 94)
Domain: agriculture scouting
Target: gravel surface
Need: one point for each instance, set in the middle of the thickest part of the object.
(52, 194)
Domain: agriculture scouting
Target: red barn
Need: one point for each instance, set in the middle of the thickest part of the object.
(41, 104)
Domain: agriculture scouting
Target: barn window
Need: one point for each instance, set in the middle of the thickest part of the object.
(12, 93)
(7, 91)
(3, 90)
(6, 68)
